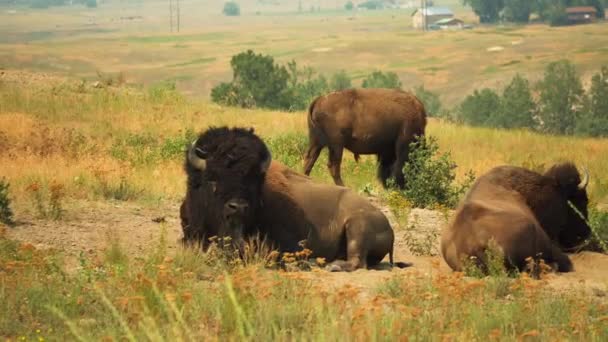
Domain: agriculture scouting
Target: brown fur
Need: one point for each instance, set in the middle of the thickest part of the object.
(526, 213)
(337, 224)
(365, 121)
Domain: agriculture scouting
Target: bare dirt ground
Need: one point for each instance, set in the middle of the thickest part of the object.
(91, 226)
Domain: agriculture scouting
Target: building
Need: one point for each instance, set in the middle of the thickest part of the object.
(581, 14)
(448, 24)
(430, 15)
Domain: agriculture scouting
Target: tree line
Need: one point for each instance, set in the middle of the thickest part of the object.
(519, 11)
(557, 104)
(49, 3)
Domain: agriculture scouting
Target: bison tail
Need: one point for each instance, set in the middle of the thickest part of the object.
(356, 157)
(311, 108)
(400, 264)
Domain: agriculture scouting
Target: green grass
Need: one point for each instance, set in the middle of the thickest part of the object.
(199, 296)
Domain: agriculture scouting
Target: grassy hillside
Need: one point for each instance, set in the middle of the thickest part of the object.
(135, 39)
(95, 142)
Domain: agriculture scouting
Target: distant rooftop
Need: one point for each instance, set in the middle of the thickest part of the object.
(581, 9)
(435, 11)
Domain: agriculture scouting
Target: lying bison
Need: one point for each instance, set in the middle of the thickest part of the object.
(365, 121)
(527, 214)
(235, 190)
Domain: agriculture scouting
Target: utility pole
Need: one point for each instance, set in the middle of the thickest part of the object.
(174, 14)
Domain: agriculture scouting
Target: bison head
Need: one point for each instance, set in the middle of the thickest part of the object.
(572, 189)
(226, 171)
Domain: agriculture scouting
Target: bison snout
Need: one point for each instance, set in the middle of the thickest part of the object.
(235, 207)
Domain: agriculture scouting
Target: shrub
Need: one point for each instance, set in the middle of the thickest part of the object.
(378, 79)
(340, 81)
(165, 91)
(560, 98)
(303, 86)
(430, 177)
(432, 103)
(598, 220)
(349, 6)
(232, 9)
(6, 213)
(91, 3)
(478, 108)
(288, 148)
(47, 199)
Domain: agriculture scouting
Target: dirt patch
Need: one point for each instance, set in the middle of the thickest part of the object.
(91, 226)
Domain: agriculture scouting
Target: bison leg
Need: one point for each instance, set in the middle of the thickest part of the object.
(402, 151)
(311, 157)
(363, 245)
(385, 163)
(335, 160)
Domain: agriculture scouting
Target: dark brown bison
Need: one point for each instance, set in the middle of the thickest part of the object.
(527, 214)
(235, 190)
(365, 121)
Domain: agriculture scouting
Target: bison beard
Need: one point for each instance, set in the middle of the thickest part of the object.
(233, 184)
(365, 121)
(527, 214)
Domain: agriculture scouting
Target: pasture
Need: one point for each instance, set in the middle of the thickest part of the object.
(96, 178)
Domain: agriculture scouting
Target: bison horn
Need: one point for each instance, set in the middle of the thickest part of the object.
(196, 161)
(266, 163)
(583, 184)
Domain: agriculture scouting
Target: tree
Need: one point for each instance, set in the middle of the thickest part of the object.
(349, 6)
(257, 82)
(487, 10)
(303, 87)
(340, 81)
(231, 8)
(432, 103)
(91, 3)
(478, 108)
(594, 120)
(517, 10)
(560, 98)
(378, 79)
(517, 108)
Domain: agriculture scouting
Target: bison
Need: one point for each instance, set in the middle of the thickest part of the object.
(526, 213)
(235, 190)
(365, 121)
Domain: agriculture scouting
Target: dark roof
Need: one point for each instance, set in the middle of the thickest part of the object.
(581, 9)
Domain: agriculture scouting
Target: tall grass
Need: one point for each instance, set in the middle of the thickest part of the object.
(196, 296)
(115, 143)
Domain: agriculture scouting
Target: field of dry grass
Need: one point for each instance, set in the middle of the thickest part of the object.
(79, 43)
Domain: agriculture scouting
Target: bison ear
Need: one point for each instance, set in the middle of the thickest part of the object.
(196, 157)
(266, 162)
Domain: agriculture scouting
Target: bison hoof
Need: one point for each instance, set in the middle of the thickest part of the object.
(333, 268)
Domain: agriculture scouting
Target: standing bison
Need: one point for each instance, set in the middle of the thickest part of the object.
(235, 190)
(365, 121)
(527, 215)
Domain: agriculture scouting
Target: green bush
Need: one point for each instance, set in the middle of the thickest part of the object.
(430, 177)
(91, 3)
(340, 81)
(432, 103)
(304, 87)
(378, 79)
(6, 213)
(232, 9)
(598, 220)
(165, 91)
(349, 6)
(478, 109)
(288, 148)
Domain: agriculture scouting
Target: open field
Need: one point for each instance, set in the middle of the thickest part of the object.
(96, 179)
(79, 42)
